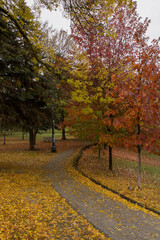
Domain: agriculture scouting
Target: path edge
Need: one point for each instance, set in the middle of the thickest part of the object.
(75, 165)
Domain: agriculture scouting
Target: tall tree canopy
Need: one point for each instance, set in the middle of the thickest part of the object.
(24, 85)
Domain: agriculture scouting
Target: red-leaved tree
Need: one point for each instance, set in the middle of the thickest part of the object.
(105, 50)
(137, 100)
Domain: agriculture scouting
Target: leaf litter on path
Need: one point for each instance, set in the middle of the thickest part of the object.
(29, 207)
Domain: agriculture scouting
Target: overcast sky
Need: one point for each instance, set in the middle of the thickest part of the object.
(150, 9)
(146, 8)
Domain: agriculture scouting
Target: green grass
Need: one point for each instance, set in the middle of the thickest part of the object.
(151, 171)
(122, 163)
(39, 136)
(150, 155)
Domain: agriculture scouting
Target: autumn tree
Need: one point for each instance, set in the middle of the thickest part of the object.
(103, 51)
(137, 96)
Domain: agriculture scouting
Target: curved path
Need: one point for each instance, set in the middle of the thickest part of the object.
(116, 220)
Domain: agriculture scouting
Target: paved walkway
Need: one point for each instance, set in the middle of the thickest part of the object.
(116, 220)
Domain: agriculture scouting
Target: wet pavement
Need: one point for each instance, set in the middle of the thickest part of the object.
(113, 218)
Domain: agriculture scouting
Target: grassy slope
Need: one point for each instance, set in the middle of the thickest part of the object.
(40, 135)
(124, 174)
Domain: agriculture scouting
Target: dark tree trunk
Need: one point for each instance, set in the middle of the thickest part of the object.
(31, 139)
(105, 146)
(99, 153)
(110, 159)
(63, 133)
(63, 127)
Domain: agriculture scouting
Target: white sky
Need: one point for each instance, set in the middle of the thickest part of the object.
(146, 8)
(56, 19)
(150, 9)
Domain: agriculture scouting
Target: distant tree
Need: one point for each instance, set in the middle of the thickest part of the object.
(61, 43)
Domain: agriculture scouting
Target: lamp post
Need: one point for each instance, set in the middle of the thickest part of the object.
(53, 149)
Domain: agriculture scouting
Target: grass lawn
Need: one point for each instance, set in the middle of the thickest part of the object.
(39, 136)
(123, 178)
(30, 208)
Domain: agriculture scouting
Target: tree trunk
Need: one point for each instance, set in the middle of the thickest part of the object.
(139, 147)
(53, 149)
(110, 159)
(105, 146)
(139, 167)
(63, 133)
(99, 153)
(31, 139)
